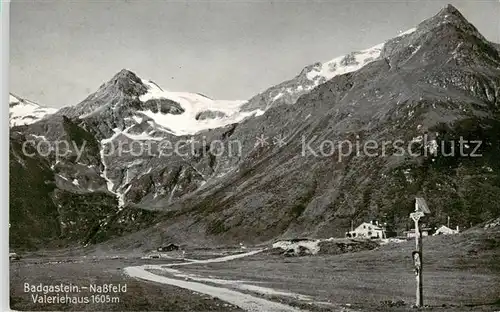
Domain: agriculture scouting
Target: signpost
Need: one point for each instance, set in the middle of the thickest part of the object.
(421, 209)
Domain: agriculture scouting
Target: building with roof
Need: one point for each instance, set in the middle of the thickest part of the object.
(367, 230)
(444, 230)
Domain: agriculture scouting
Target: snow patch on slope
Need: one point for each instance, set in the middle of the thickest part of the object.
(24, 112)
(346, 63)
(109, 183)
(193, 104)
(407, 32)
(109, 148)
(319, 73)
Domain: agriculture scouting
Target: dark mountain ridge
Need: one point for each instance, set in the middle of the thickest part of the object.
(430, 87)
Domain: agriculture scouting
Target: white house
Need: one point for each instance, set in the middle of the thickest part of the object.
(444, 230)
(367, 230)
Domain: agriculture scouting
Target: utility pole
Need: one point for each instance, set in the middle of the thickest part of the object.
(448, 225)
(420, 210)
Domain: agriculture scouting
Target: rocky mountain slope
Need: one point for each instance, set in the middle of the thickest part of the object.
(127, 101)
(286, 175)
(313, 75)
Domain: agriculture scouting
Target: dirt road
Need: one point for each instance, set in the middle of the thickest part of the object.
(237, 298)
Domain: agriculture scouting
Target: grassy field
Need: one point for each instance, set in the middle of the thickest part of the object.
(461, 273)
(140, 295)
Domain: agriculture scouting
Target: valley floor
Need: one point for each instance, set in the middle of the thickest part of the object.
(140, 295)
(461, 273)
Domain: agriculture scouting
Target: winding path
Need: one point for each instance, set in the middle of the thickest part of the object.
(242, 300)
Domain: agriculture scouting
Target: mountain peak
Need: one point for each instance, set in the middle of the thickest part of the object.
(125, 74)
(451, 16)
(450, 9)
(127, 82)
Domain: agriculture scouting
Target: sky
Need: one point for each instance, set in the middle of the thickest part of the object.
(61, 51)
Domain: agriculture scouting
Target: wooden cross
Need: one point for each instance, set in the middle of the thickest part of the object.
(420, 210)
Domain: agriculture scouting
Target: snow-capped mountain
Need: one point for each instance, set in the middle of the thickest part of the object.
(130, 109)
(440, 80)
(313, 75)
(24, 112)
(198, 111)
(130, 104)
